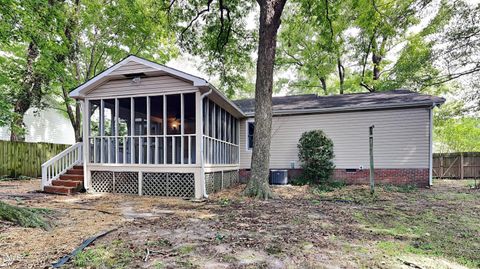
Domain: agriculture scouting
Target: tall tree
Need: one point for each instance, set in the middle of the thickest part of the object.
(225, 43)
(312, 41)
(270, 19)
(382, 44)
(97, 34)
(29, 43)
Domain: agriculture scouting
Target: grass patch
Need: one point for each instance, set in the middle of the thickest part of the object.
(273, 249)
(10, 178)
(328, 187)
(407, 188)
(186, 249)
(426, 232)
(24, 216)
(114, 255)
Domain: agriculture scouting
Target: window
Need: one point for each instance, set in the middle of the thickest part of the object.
(250, 129)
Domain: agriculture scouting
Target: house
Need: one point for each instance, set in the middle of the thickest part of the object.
(154, 130)
(44, 125)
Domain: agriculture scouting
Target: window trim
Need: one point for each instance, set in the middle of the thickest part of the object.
(251, 120)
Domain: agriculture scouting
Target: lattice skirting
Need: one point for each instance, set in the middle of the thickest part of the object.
(153, 184)
(216, 181)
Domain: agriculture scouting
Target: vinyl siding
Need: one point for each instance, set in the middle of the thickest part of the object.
(148, 85)
(131, 68)
(401, 138)
(46, 125)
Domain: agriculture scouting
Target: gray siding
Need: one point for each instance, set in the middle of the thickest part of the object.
(148, 85)
(401, 138)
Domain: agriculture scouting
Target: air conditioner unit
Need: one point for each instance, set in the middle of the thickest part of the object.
(278, 177)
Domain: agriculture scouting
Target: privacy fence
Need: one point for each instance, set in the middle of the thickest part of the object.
(458, 165)
(25, 159)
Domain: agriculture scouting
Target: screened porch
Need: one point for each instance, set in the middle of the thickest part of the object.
(157, 129)
(161, 130)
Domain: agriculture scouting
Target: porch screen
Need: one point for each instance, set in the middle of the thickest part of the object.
(220, 134)
(156, 129)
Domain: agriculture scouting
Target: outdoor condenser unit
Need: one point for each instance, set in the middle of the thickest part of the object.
(278, 177)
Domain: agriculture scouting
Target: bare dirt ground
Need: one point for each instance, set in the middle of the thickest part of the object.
(304, 228)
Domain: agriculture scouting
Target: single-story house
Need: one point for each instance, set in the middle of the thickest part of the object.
(153, 130)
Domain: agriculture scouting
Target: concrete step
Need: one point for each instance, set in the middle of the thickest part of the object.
(75, 171)
(72, 177)
(67, 183)
(59, 190)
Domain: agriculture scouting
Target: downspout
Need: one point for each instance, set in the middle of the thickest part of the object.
(430, 163)
(202, 161)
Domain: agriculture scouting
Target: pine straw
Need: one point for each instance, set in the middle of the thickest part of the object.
(24, 216)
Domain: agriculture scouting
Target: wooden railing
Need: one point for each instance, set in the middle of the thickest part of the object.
(56, 166)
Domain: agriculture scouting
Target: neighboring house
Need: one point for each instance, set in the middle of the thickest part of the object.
(154, 130)
(46, 125)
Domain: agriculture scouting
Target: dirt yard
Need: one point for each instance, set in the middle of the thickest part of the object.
(303, 228)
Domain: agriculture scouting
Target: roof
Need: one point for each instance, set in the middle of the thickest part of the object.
(156, 69)
(83, 89)
(312, 103)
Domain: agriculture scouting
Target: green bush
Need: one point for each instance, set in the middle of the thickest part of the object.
(315, 152)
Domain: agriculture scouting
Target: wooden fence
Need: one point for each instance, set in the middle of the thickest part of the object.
(25, 159)
(458, 165)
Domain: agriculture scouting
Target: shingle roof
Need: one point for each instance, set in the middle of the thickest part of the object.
(309, 103)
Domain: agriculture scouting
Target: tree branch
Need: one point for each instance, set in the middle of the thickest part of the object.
(199, 13)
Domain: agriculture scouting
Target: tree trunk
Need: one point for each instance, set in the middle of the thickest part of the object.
(270, 13)
(323, 81)
(72, 58)
(341, 75)
(376, 59)
(31, 89)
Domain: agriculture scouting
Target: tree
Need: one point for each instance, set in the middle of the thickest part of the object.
(28, 41)
(217, 32)
(312, 42)
(382, 45)
(270, 14)
(456, 128)
(223, 41)
(98, 35)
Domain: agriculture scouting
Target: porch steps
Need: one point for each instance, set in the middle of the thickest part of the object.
(69, 183)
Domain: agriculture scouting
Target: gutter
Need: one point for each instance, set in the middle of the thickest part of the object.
(202, 161)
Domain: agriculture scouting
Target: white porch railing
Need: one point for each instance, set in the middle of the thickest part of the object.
(56, 166)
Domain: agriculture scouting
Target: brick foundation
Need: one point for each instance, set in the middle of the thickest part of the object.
(395, 176)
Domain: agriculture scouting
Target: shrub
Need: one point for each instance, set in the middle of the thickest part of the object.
(315, 152)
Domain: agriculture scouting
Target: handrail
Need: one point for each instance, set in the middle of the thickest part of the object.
(59, 164)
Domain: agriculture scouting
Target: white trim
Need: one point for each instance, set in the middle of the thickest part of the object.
(83, 89)
(430, 157)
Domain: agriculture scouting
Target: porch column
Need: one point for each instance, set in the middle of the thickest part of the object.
(198, 138)
(85, 110)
